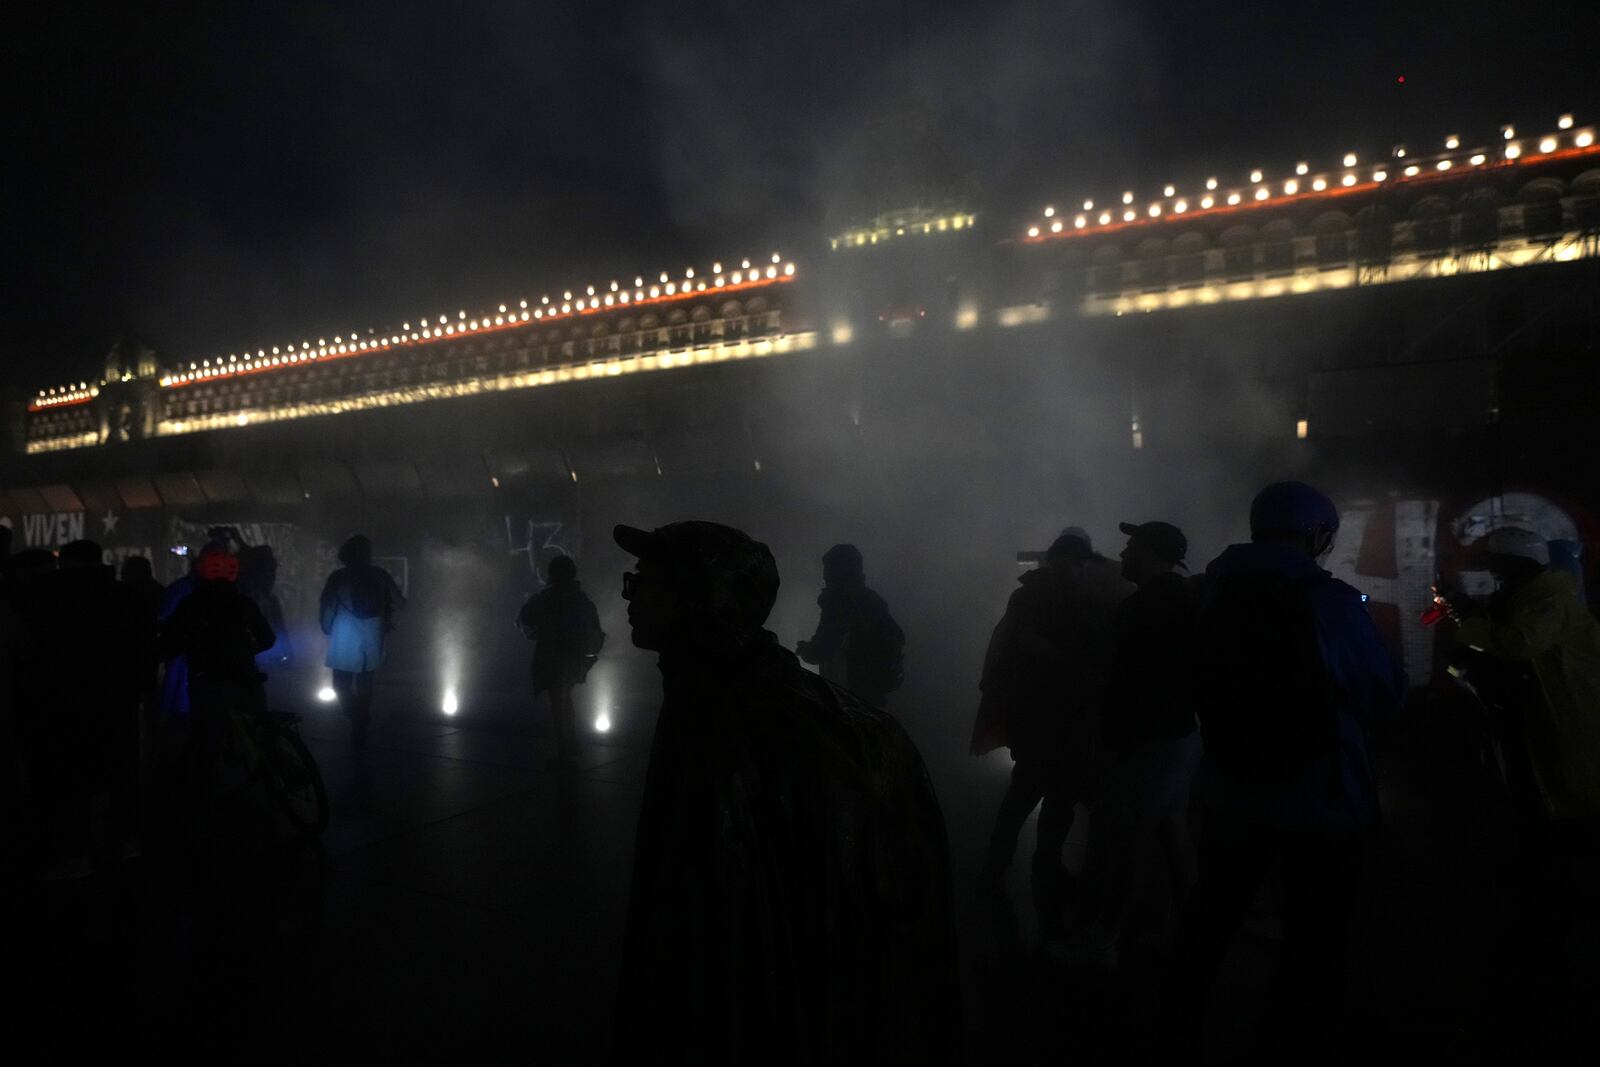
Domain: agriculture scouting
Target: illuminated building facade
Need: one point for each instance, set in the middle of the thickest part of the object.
(1379, 323)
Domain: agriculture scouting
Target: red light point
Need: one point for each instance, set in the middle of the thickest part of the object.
(1401, 79)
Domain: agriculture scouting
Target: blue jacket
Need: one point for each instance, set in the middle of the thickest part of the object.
(1335, 790)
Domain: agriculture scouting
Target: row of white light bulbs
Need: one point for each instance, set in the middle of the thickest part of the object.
(1513, 150)
(66, 394)
(590, 301)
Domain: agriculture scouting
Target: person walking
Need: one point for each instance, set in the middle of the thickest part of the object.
(1044, 681)
(564, 625)
(357, 611)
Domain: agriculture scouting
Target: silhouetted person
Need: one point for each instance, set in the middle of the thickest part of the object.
(1290, 675)
(1533, 653)
(220, 631)
(790, 896)
(258, 580)
(357, 614)
(175, 672)
(563, 623)
(13, 651)
(93, 642)
(1152, 746)
(1044, 679)
(857, 644)
(140, 579)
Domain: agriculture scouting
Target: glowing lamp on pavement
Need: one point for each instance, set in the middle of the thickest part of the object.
(326, 694)
(450, 705)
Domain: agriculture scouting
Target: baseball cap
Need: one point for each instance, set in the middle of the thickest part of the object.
(713, 551)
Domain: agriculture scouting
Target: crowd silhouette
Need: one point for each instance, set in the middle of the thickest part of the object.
(791, 888)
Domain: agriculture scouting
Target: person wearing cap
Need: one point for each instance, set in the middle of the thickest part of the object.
(790, 897)
(1043, 685)
(1289, 676)
(1151, 744)
(857, 643)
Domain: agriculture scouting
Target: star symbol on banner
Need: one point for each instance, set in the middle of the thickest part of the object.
(109, 521)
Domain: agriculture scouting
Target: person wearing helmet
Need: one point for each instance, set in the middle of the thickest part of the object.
(357, 612)
(857, 643)
(790, 896)
(1289, 676)
(564, 625)
(1532, 650)
(219, 631)
(1536, 620)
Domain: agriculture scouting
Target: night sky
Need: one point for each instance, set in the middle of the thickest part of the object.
(218, 176)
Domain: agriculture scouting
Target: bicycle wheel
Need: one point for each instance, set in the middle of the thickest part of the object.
(295, 782)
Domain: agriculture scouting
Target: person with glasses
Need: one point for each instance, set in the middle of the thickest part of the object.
(791, 879)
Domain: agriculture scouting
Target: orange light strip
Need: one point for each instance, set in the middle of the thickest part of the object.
(775, 273)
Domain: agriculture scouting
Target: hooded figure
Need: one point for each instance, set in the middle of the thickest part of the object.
(357, 613)
(790, 898)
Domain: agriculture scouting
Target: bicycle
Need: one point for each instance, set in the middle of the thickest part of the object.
(264, 749)
(289, 772)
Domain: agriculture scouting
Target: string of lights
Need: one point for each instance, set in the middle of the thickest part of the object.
(430, 329)
(64, 396)
(433, 329)
(888, 228)
(1351, 177)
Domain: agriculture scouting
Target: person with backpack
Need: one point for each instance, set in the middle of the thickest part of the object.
(562, 622)
(857, 644)
(357, 613)
(1290, 675)
(220, 631)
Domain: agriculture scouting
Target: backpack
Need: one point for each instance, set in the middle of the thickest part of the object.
(1266, 696)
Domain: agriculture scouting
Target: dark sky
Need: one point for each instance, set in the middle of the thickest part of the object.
(219, 176)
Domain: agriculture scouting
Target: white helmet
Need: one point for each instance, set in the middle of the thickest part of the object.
(1515, 541)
